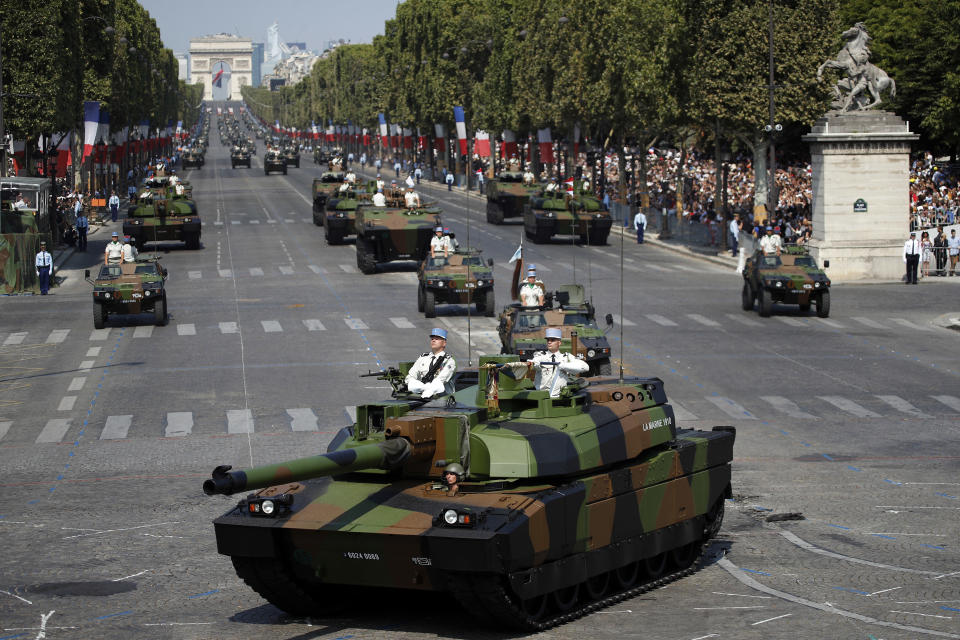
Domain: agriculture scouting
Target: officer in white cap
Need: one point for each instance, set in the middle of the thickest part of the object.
(113, 254)
(438, 243)
(433, 371)
(531, 291)
(554, 369)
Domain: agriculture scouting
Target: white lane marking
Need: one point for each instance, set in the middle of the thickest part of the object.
(682, 413)
(803, 544)
(15, 338)
(302, 419)
(289, 220)
(286, 270)
(57, 336)
(225, 273)
(116, 427)
(254, 222)
(194, 275)
(632, 267)
(93, 352)
(683, 267)
(627, 322)
(87, 364)
(707, 322)
(4, 428)
(256, 271)
(218, 223)
(903, 322)
(76, 384)
(731, 408)
(829, 323)
(868, 322)
(740, 595)
(789, 407)
(143, 331)
(235, 222)
(239, 421)
(356, 324)
(664, 322)
(655, 267)
(849, 406)
(310, 220)
(229, 327)
(402, 323)
(312, 324)
(271, 326)
(951, 401)
(925, 615)
(53, 431)
(316, 269)
(186, 329)
(351, 412)
(786, 615)
(742, 319)
(903, 406)
(179, 423)
(792, 322)
(271, 221)
(66, 403)
(347, 268)
(99, 334)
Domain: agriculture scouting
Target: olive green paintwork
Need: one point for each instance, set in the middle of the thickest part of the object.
(790, 278)
(273, 160)
(128, 288)
(192, 157)
(340, 210)
(508, 195)
(393, 233)
(323, 187)
(239, 156)
(156, 219)
(460, 278)
(291, 156)
(581, 215)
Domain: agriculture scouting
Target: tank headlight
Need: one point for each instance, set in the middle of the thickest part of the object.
(107, 295)
(779, 284)
(450, 516)
(591, 353)
(479, 283)
(267, 507)
(146, 293)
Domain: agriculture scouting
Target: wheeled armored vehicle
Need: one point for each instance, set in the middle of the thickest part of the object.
(325, 186)
(129, 288)
(460, 278)
(580, 215)
(160, 217)
(192, 158)
(239, 157)
(793, 277)
(273, 161)
(508, 195)
(392, 233)
(291, 156)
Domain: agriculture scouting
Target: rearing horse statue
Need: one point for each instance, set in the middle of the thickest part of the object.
(861, 74)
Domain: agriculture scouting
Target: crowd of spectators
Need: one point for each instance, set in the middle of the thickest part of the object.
(933, 193)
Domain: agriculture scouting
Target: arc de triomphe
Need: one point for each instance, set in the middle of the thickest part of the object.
(223, 63)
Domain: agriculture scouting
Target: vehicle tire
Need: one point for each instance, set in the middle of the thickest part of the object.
(317, 219)
(420, 299)
(542, 236)
(494, 213)
(99, 315)
(160, 312)
(332, 237)
(488, 304)
(746, 297)
(823, 304)
(366, 262)
(284, 170)
(429, 304)
(266, 171)
(765, 302)
(603, 368)
(598, 237)
(298, 164)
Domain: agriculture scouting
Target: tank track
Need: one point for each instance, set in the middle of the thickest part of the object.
(274, 583)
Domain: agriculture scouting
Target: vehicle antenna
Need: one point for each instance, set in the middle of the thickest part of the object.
(621, 306)
(469, 295)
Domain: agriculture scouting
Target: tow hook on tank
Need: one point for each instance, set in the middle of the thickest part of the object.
(270, 507)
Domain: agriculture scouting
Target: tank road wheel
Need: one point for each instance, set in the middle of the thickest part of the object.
(683, 557)
(420, 298)
(365, 261)
(597, 586)
(603, 368)
(655, 565)
(566, 599)
(746, 297)
(823, 304)
(269, 578)
(160, 312)
(429, 304)
(534, 607)
(765, 301)
(627, 575)
(494, 213)
(99, 315)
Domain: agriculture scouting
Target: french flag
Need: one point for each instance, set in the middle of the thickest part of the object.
(383, 129)
(407, 138)
(103, 133)
(331, 136)
(546, 145)
(63, 154)
(481, 144)
(509, 148)
(91, 122)
(440, 140)
(366, 137)
(461, 129)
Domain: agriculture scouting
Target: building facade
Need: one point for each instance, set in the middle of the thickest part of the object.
(222, 63)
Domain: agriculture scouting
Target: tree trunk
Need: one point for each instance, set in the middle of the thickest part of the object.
(759, 144)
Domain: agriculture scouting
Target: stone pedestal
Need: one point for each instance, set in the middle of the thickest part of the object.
(861, 193)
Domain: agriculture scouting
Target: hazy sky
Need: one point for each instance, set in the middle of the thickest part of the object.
(311, 21)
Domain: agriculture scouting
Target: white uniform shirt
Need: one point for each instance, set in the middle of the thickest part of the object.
(129, 253)
(530, 294)
(351, 177)
(379, 200)
(44, 259)
(953, 245)
(640, 220)
(412, 199)
(437, 245)
(554, 378)
(380, 183)
(911, 247)
(442, 381)
(114, 252)
(771, 244)
(528, 177)
(114, 201)
(344, 187)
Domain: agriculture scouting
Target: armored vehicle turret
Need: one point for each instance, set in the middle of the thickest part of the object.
(529, 510)
(392, 233)
(158, 216)
(239, 157)
(273, 161)
(508, 195)
(291, 156)
(580, 215)
(460, 278)
(793, 277)
(129, 288)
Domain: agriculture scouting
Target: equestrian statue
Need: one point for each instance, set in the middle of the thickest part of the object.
(861, 75)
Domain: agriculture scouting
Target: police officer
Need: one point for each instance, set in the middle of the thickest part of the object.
(44, 267)
(82, 225)
(554, 368)
(114, 204)
(432, 373)
(531, 291)
(438, 243)
(113, 254)
(911, 256)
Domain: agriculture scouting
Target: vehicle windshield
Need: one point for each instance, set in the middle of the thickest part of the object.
(473, 261)
(530, 321)
(332, 178)
(575, 318)
(769, 262)
(437, 262)
(148, 268)
(804, 261)
(110, 271)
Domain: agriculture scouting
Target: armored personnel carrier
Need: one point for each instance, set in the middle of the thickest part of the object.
(580, 215)
(323, 187)
(460, 278)
(340, 214)
(508, 195)
(529, 510)
(392, 233)
(192, 157)
(793, 277)
(523, 329)
(129, 288)
(159, 217)
(273, 161)
(239, 157)
(291, 156)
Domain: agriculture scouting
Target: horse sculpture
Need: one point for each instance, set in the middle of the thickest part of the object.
(861, 74)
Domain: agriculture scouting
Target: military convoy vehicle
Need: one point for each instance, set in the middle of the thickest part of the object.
(508, 195)
(340, 213)
(325, 186)
(793, 277)
(291, 156)
(192, 157)
(129, 288)
(523, 329)
(159, 217)
(531, 511)
(239, 156)
(273, 161)
(579, 215)
(460, 278)
(392, 233)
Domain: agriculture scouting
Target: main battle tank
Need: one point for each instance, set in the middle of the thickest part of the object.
(564, 505)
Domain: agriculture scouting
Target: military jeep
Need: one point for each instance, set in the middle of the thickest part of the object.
(793, 277)
(323, 187)
(460, 278)
(580, 215)
(273, 161)
(128, 288)
(392, 233)
(239, 157)
(508, 195)
(523, 329)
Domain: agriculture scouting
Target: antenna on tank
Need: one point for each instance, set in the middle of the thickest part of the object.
(621, 305)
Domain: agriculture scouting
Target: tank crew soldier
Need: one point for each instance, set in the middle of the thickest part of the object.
(452, 474)
(438, 243)
(113, 254)
(528, 177)
(345, 186)
(411, 198)
(911, 256)
(432, 373)
(44, 267)
(129, 251)
(531, 291)
(552, 187)
(380, 183)
(554, 368)
(351, 177)
(771, 244)
(379, 200)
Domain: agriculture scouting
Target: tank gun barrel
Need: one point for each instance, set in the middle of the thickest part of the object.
(388, 454)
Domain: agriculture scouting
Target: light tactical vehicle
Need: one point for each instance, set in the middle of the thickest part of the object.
(523, 329)
(793, 277)
(291, 156)
(508, 195)
(323, 187)
(192, 157)
(129, 288)
(273, 161)
(460, 278)
(239, 157)
(392, 233)
(559, 507)
(580, 215)
(159, 217)
(340, 213)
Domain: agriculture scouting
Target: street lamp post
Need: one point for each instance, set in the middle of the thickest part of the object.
(772, 128)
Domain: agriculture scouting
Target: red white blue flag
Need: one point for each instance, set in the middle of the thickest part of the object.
(461, 129)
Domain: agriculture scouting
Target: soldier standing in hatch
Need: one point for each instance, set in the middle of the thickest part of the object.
(554, 369)
(438, 243)
(531, 291)
(432, 373)
(113, 254)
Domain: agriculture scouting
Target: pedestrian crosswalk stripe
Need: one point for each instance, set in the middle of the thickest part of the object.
(903, 406)
(143, 331)
(254, 222)
(302, 419)
(256, 271)
(681, 413)
(402, 323)
(316, 269)
(93, 352)
(77, 383)
(218, 223)
(950, 401)
(356, 323)
(4, 428)
(289, 220)
(664, 322)
(15, 338)
(57, 336)
(788, 407)
(271, 221)
(351, 412)
(849, 406)
(239, 421)
(348, 268)
(793, 322)
(87, 364)
(744, 320)
(179, 423)
(312, 324)
(286, 269)
(830, 323)
(116, 427)
(193, 275)
(229, 327)
(903, 322)
(599, 267)
(632, 267)
(99, 334)
(66, 403)
(186, 329)
(236, 221)
(53, 431)
(310, 220)
(730, 407)
(624, 321)
(271, 326)
(225, 273)
(707, 322)
(868, 322)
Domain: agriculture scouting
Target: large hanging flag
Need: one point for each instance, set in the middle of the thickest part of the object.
(440, 141)
(407, 138)
(383, 129)
(63, 153)
(509, 148)
(103, 135)
(91, 122)
(461, 129)
(331, 135)
(481, 145)
(546, 145)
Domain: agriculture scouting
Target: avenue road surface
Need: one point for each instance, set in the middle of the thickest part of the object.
(105, 436)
